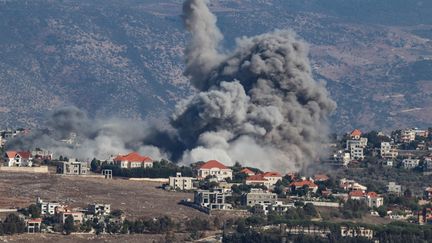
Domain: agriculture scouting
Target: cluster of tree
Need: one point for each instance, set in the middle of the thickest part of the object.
(354, 209)
(12, 225)
(162, 169)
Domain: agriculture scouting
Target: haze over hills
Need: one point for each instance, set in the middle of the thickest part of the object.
(125, 58)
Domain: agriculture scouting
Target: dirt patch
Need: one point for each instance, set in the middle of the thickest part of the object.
(136, 198)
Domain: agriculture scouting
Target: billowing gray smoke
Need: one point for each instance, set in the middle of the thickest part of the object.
(258, 105)
(94, 138)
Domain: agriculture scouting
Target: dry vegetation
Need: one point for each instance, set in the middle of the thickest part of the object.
(135, 198)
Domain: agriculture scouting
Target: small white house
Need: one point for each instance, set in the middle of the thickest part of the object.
(410, 163)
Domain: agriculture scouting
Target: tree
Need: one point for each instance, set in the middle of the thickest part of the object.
(13, 225)
(69, 225)
(382, 211)
(94, 165)
(310, 210)
(34, 211)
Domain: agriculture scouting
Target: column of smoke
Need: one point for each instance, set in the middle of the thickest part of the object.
(257, 104)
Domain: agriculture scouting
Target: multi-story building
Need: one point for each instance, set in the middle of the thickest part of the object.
(410, 163)
(272, 177)
(356, 147)
(48, 208)
(388, 150)
(394, 188)
(257, 196)
(180, 182)
(214, 168)
(408, 135)
(18, 159)
(342, 157)
(215, 199)
(73, 167)
(99, 209)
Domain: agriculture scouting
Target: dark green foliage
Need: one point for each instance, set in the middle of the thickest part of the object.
(161, 169)
(12, 225)
(354, 209)
(69, 225)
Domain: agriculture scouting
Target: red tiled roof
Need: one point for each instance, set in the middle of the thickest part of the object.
(321, 177)
(356, 132)
(213, 164)
(372, 194)
(356, 193)
(308, 183)
(272, 174)
(247, 171)
(133, 157)
(37, 220)
(258, 177)
(23, 154)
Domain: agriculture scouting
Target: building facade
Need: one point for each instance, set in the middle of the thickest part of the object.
(180, 182)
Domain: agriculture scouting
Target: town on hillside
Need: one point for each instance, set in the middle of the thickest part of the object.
(369, 185)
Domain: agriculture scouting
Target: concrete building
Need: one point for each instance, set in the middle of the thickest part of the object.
(408, 135)
(342, 157)
(374, 200)
(277, 207)
(18, 159)
(133, 160)
(73, 167)
(215, 199)
(388, 150)
(180, 182)
(394, 188)
(99, 209)
(78, 217)
(258, 180)
(47, 208)
(272, 177)
(410, 163)
(356, 147)
(33, 225)
(216, 169)
(258, 196)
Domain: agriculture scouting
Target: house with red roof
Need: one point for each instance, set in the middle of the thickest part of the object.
(296, 185)
(258, 180)
(321, 177)
(216, 169)
(357, 195)
(247, 171)
(356, 134)
(133, 160)
(374, 200)
(272, 177)
(18, 158)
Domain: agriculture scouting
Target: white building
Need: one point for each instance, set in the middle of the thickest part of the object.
(133, 160)
(258, 196)
(388, 151)
(388, 163)
(392, 187)
(374, 200)
(356, 147)
(215, 199)
(408, 135)
(48, 208)
(73, 167)
(180, 182)
(342, 157)
(18, 159)
(410, 163)
(216, 169)
(99, 209)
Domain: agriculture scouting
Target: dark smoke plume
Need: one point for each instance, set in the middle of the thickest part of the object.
(257, 104)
